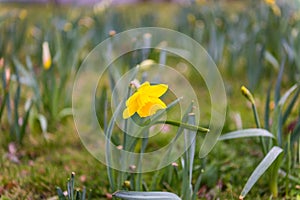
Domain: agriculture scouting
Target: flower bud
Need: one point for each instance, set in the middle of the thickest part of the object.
(127, 184)
(247, 94)
(46, 56)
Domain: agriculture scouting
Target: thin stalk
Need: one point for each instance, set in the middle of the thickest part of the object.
(257, 122)
(184, 125)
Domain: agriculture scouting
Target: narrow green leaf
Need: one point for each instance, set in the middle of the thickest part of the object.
(286, 95)
(188, 158)
(267, 108)
(65, 113)
(146, 195)
(107, 145)
(252, 132)
(296, 133)
(271, 59)
(43, 123)
(290, 106)
(3, 105)
(278, 82)
(25, 121)
(261, 169)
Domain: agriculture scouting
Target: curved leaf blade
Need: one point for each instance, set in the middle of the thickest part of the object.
(146, 195)
(261, 169)
(252, 132)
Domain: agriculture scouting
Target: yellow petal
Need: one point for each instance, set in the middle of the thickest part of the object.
(144, 86)
(132, 99)
(156, 90)
(127, 113)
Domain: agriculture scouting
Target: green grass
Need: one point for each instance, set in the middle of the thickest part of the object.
(47, 163)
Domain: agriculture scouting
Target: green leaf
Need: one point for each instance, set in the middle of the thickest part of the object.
(25, 120)
(261, 169)
(271, 59)
(252, 132)
(290, 106)
(65, 113)
(296, 133)
(43, 123)
(188, 159)
(146, 195)
(286, 95)
(267, 107)
(278, 82)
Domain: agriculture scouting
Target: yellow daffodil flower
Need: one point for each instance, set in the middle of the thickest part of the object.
(145, 101)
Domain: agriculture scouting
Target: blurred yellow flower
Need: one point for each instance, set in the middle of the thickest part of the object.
(270, 2)
(275, 8)
(46, 56)
(23, 14)
(145, 101)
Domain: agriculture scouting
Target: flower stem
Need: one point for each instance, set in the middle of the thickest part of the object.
(256, 117)
(184, 125)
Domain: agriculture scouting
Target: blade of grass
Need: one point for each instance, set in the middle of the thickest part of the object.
(290, 106)
(296, 133)
(267, 108)
(253, 132)
(188, 159)
(278, 82)
(107, 145)
(16, 107)
(277, 123)
(198, 182)
(25, 121)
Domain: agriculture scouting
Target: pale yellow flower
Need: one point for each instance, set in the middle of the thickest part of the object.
(145, 101)
(46, 56)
